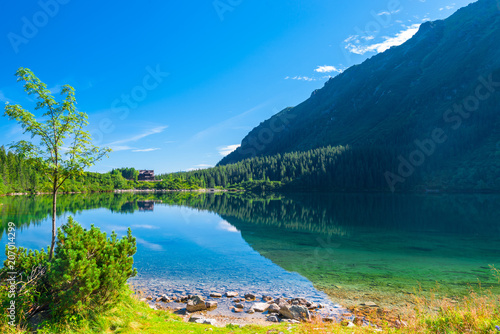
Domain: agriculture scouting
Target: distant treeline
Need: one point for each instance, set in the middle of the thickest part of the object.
(340, 168)
(20, 175)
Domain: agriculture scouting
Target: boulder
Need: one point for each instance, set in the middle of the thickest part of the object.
(296, 312)
(195, 304)
(215, 295)
(273, 308)
(280, 301)
(260, 307)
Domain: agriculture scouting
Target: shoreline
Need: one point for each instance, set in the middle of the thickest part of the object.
(241, 308)
(286, 192)
(118, 191)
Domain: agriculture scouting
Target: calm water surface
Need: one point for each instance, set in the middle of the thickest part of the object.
(345, 244)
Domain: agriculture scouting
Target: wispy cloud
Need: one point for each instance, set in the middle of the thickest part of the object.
(117, 148)
(448, 7)
(3, 98)
(225, 150)
(304, 78)
(200, 166)
(135, 138)
(56, 89)
(327, 69)
(146, 150)
(354, 45)
(118, 145)
(229, 123)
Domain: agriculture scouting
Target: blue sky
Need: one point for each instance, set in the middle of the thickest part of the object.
(175, 85)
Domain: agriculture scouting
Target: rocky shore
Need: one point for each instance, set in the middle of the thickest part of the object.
(220, 309)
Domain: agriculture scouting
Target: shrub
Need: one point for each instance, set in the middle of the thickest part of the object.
(86, 275)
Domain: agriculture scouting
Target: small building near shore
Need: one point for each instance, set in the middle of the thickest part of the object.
(146, 175)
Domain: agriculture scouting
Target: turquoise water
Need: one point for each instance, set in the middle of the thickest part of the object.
(352, 246)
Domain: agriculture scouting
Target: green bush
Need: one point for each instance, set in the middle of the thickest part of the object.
(86, 275)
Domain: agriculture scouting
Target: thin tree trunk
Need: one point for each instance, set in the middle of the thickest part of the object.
(54, 211)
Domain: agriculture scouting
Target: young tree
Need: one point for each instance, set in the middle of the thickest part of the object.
(59, 144)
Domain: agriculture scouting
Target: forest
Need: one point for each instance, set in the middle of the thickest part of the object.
(340, 168)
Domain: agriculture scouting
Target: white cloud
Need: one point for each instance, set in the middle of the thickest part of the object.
(146, 150)
(401, 37)
(227, 149)
(327, 69)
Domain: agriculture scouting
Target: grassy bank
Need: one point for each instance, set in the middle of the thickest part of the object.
(473, 314)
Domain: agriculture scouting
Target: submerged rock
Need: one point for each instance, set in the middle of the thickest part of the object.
(369, 304)
(211, 305)
(250, 296)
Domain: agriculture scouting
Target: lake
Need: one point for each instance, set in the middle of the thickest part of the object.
(331, 248)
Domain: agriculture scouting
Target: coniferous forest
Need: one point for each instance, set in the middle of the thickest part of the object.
(323, 169)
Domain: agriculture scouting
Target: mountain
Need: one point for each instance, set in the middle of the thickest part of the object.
(427, 110)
